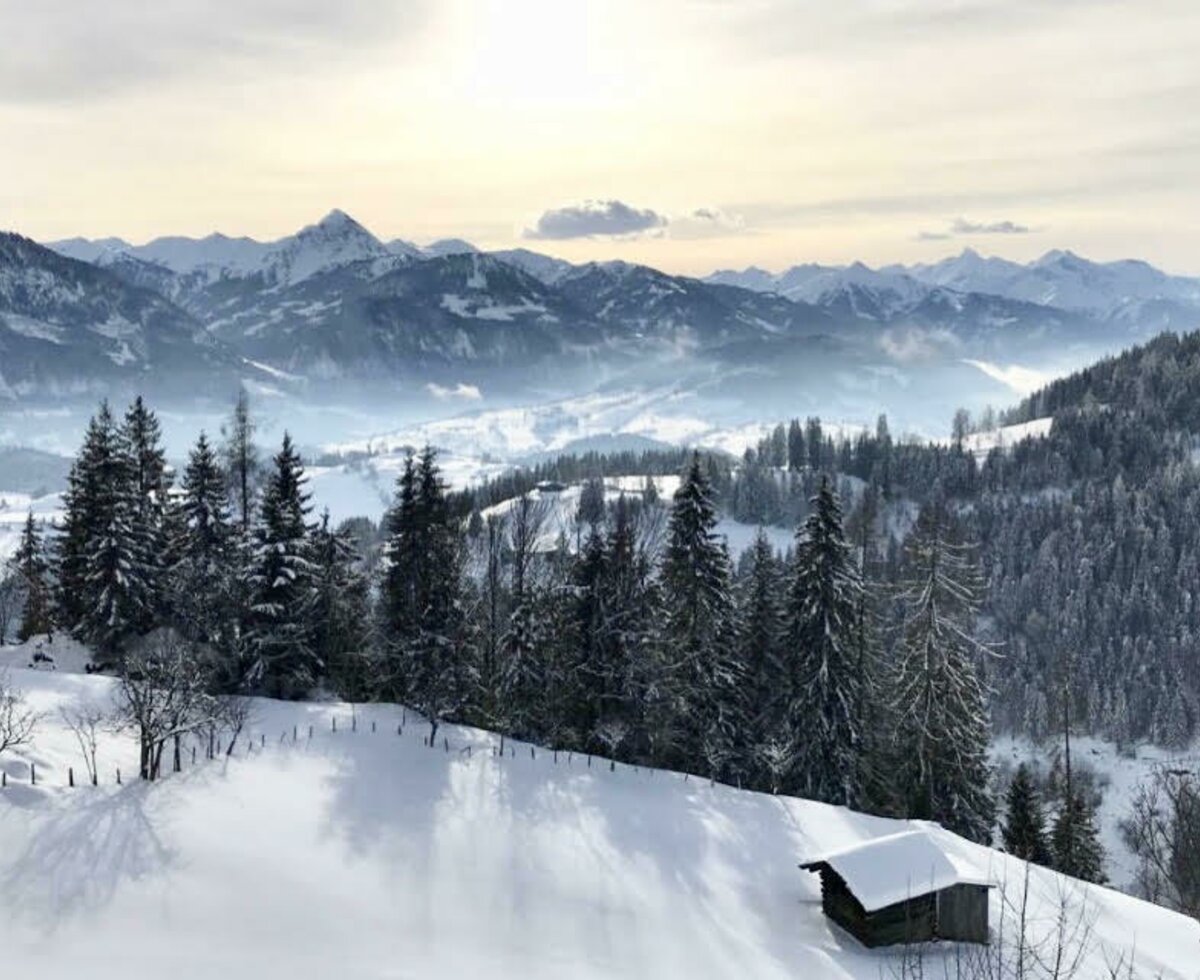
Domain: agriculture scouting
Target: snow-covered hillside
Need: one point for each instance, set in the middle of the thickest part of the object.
(364, 853)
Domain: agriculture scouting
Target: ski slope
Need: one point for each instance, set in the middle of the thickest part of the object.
(363, 854)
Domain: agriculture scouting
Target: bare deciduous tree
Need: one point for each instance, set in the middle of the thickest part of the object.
(163, 696)
(85, 723)
(1163, 832)
(17, 723)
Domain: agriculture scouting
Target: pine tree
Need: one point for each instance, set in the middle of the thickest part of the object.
(524, 667)
(241, 463)
(1024, 823)
(83, 516)
(422, 618)
(31, 568)
(761, 632)
(940, 702)
(699, 624)
(1076, 840)
(105, 590)
(339, 611)
(201, 551)
(148, 486)
(283, 662)
(823, 658)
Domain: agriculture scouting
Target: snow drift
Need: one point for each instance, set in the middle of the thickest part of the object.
(362, 852)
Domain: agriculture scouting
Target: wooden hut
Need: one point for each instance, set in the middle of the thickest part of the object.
(903, 888)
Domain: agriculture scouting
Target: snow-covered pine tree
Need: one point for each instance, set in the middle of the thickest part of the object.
(202, 555)
(107, 562)
(148, 486)
(761, 631)
(524, 669)
(242, 463)
(31, 568)
(339, 611)
(400, 598)
(1076, 840)
(1024, 829)
(822, 658)
(698, 627)
(422, 617)
(282, 662)
(940, 704)
(83, 517)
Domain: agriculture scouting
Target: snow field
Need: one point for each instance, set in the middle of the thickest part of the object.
(364, 853)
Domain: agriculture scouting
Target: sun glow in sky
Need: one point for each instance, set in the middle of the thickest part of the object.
(705, 133)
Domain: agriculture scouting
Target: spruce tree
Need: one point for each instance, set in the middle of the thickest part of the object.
(242, 464)
(940, 702)
(339, 610)
(1024, 830)
(422, 617)
(104, 579)
(30, 565)
(761, 633)
(282, 661)
(202, 552)
(148, 486)
(1076, 840)
(823, 658)
(83, 517)
(698, 627)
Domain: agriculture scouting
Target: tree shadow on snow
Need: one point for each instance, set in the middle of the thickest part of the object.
(80, 855)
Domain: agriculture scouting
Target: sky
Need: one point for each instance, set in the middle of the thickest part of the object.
(688, 134)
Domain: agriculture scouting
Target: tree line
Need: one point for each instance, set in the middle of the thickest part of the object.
(641, 639)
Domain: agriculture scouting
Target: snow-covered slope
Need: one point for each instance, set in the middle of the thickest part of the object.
(364, 853)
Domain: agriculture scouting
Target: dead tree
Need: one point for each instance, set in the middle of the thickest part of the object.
(17, 723)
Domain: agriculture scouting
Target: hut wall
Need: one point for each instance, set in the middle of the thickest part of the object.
(910, 921)
(962, 913)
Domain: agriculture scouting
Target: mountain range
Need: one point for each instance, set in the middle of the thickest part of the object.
(334, 306)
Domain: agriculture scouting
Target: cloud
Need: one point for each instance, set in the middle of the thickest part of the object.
(74, 52)
(1022, 380)
(962, 226)
(596, 218)
(916, 343)
(461, 391)
(707, 222)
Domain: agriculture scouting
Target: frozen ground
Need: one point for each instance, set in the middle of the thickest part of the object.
(363, 854)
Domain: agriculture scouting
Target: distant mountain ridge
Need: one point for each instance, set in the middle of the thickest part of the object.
(334, 304)
(1061, 279)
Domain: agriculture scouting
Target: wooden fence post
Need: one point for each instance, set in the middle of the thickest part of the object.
(3, 779)
(372, 727)
(32, 774)
(118, 777)
(333, 723)
(71, 776)
(310, 731)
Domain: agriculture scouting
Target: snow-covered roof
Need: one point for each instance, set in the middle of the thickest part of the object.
(891, 869)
